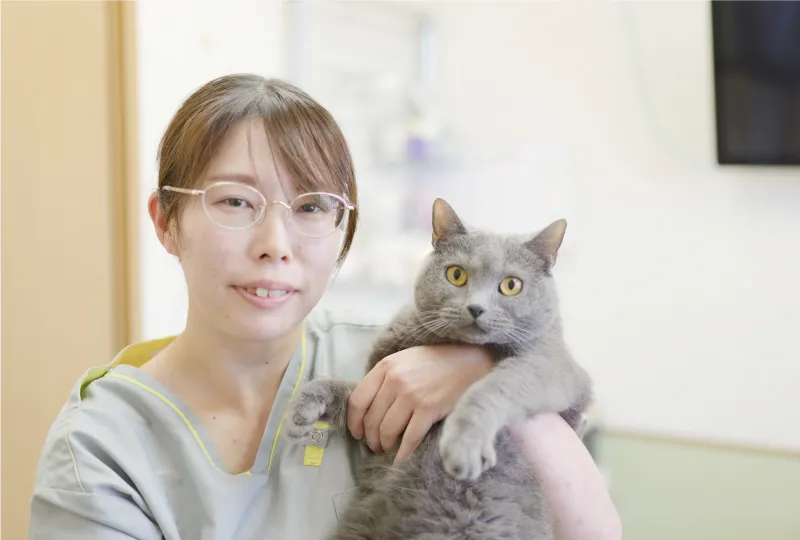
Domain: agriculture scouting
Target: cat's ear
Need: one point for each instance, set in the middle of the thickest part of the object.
(445, 222)
(548, 241)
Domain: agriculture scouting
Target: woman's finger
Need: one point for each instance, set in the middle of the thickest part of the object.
(394, 423)
(362, 397)
(375, 414)
(418, 427)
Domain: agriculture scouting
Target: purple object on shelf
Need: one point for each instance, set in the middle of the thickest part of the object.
(417, 149)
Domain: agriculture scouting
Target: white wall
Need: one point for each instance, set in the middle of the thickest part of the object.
(678, 278)
(682, 291)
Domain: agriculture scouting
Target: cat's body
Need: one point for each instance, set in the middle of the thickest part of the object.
(467, 479)
(417, 499)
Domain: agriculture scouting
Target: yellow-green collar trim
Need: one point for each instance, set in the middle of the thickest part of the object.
(136, 355)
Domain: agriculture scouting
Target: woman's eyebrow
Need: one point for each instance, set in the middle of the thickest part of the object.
(244, 178)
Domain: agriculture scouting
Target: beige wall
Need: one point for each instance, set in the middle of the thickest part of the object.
(64, 285)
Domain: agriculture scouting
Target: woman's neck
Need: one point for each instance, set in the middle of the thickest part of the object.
(224, 373)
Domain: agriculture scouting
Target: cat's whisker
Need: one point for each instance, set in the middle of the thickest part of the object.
(433, 319)
(424, 331)
(435, 322)
(520, 338)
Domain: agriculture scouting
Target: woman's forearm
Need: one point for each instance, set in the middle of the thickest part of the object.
(573, 487)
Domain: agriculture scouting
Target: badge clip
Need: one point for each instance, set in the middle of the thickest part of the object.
(315, 445)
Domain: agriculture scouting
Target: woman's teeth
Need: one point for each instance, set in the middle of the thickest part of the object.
(263, 293)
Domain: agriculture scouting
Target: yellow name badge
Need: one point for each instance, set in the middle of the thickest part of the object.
(315, 447)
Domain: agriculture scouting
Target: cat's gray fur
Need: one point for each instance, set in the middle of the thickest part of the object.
(467, 480)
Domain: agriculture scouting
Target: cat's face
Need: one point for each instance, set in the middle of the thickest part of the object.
(485, 288)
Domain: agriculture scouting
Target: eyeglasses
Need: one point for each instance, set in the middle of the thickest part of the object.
(236, 206)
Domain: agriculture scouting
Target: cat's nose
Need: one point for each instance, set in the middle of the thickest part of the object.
(475, 310)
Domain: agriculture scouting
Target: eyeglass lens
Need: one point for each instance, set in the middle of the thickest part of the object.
(236, 206)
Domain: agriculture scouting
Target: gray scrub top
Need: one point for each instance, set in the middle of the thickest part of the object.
(126, 459)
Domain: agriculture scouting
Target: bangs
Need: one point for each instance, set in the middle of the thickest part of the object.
(308, 143)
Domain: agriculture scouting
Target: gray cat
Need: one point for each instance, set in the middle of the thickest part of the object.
(467, 480)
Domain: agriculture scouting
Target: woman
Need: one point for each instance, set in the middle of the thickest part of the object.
(180, 437)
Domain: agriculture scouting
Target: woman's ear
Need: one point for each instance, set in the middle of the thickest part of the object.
(165, 233)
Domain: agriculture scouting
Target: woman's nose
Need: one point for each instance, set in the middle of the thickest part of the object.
(272, 240)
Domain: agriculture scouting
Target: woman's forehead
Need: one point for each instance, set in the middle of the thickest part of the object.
(245, 147)
(246, 155)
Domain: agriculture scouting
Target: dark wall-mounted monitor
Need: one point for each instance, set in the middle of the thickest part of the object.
(757, 81)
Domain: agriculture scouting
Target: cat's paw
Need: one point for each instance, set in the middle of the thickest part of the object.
(467, 450)
(304, 411)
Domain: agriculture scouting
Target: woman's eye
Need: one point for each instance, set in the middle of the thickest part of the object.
(309, 208)
(236, 203)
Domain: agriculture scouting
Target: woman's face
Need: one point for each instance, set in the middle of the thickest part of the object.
(257, 283)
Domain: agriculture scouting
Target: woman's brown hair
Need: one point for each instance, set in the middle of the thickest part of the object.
(303, 134)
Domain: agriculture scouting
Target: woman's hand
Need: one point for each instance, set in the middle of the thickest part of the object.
(409, 391)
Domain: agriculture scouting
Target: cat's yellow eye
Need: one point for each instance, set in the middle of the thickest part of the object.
(456, 275)
(511, 286)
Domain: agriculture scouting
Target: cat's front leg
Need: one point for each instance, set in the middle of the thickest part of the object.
(517, 387)
(468, 434)
(318, 400)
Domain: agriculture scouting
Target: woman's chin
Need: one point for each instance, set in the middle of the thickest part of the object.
(264, 331)
(265, 326)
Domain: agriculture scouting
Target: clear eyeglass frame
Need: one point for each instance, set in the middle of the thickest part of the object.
(261, 211)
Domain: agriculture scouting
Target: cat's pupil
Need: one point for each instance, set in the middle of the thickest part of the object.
(456, 274)
(512, 284)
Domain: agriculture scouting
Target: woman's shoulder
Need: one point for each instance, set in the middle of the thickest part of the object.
(342, 341)
(343, 327)
(104, 460)
(103, 424)
(343, 323)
